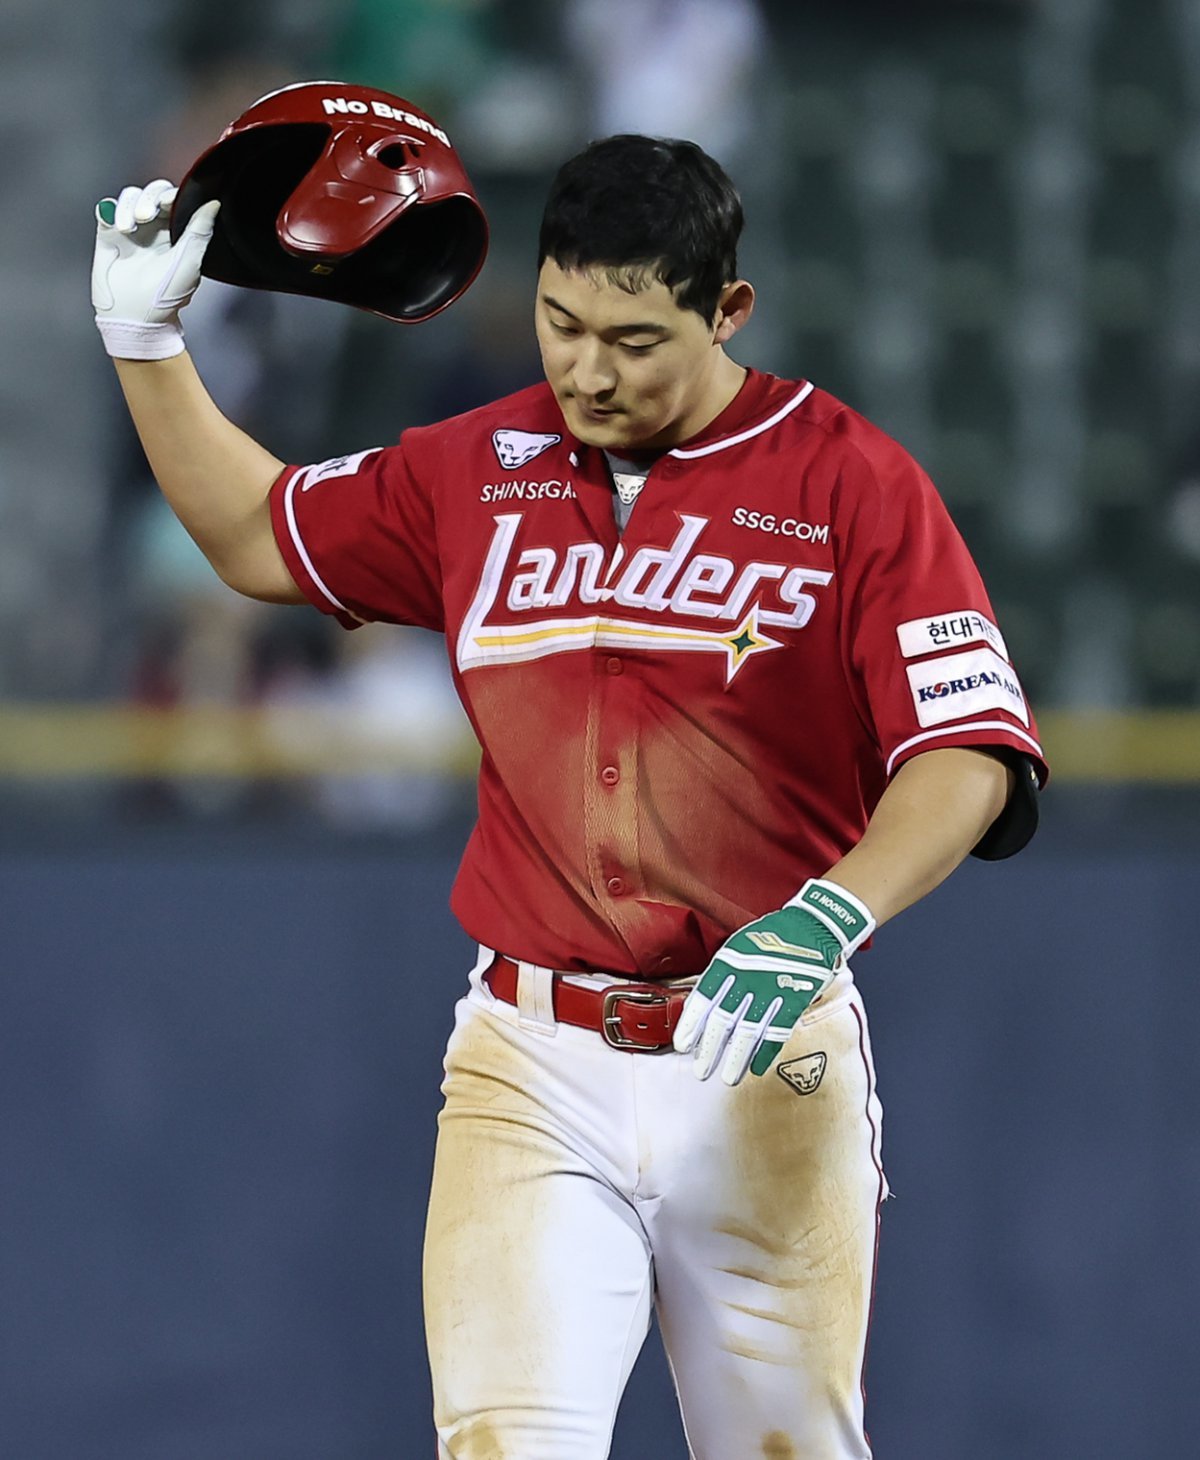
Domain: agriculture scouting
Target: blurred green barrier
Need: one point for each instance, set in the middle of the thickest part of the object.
(40, 742)
(1155, 746)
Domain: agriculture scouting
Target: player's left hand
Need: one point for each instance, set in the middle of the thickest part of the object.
(763, 978)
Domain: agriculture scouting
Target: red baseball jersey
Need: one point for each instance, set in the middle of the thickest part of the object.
(681, 723)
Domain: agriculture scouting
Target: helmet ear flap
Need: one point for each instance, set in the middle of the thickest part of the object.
(345, 199)
(419, 259)
(342, 193)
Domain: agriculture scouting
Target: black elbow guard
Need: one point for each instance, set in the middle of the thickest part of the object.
(1016, 824)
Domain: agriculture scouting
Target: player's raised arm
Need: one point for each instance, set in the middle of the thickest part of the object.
(215, 477)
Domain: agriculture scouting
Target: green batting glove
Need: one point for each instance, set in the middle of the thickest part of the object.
(764, 976)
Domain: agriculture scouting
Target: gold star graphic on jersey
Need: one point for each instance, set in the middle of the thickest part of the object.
(746, 640)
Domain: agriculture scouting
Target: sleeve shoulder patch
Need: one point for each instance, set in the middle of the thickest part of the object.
(336, 466)
(949, 631)
(956, 685)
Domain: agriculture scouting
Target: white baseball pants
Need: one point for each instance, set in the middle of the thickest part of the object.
(575, 1185)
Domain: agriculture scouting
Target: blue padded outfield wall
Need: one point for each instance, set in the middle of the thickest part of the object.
(221, 1056)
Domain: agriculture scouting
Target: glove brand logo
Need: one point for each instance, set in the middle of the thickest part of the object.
(804, 1074)
(797, 985)
(772, 943)
(518, 448)
(654, 582)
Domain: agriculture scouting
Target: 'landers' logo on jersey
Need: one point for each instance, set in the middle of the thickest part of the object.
(654, 582)
(525, 491)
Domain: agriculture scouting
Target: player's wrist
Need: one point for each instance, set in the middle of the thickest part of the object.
(838, 910)
(129, 339)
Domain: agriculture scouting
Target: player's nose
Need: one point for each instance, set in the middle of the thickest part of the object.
(592, 373)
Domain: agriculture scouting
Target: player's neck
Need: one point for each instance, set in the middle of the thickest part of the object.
(720, 390)
(727, 380)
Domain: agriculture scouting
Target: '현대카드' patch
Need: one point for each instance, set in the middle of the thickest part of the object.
(956, 685)
(949, 631)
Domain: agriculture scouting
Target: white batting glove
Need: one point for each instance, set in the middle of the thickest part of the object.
(140, 280)
(764, 976)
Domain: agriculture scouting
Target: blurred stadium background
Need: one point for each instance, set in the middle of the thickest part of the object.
(227, 831)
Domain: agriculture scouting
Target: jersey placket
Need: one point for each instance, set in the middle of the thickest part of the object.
(612, 760)
(610, 796)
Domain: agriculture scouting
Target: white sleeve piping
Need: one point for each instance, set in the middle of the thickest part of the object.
(970, 725)
(298, 542)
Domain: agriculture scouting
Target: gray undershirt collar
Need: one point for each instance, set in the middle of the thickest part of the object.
(628, 477)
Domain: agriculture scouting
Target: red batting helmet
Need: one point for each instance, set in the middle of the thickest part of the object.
(342, 192)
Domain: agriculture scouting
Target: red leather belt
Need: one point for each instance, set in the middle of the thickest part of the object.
(635, 1016)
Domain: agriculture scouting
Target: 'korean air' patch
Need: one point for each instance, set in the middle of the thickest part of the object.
(956, 685)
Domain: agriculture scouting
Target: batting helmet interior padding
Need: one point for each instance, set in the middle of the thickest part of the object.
(342, 192)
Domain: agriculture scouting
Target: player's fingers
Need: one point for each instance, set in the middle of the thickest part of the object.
(744, 1043)
(203, 220)
(200, 228)
(712, 1041)
(123, 215)
(714, 980)
(697, 1008)
(738, 1052)
(716, 1036)
(154, 199)
(182, 278)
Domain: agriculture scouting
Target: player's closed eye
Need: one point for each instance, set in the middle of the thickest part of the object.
(640, 349)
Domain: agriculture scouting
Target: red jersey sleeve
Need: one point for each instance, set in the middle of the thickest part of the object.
(357, 534)
(928, 664)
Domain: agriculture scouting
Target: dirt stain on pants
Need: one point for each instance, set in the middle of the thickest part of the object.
(777, 1446)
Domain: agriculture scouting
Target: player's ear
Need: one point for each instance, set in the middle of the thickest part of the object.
(734, 308)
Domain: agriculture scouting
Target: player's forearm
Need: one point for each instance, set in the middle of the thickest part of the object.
(935, 810)
(215, 477)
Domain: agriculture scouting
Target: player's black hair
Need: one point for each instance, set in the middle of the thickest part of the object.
(646, 207)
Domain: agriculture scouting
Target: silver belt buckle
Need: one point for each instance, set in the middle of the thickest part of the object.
(610, 1022)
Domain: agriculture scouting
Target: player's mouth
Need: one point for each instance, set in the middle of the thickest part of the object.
(595, 415)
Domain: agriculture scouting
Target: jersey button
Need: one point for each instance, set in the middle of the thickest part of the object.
(610, 775)
(616, 885)
(665, 961)
(614, 665)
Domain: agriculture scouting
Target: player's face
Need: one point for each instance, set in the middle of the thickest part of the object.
(634, 371)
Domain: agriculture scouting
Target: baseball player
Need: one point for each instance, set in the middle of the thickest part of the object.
(741, 699)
